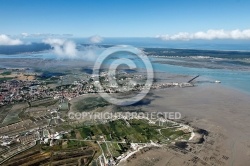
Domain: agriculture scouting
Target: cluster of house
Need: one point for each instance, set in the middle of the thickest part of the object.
(6, 140)
(13, 91)
(171, 84)
(42, 135)
(48, 137)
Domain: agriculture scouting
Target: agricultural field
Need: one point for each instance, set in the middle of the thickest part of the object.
(4, 112)
(133, 130)
(5, 73)
(43, 102)
(12, 113)
(2, 79)
(8, 75)
(115, 137)
(73, 153)
(86, 104)
(114, 149)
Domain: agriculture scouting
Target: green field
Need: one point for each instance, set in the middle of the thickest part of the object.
(5, 79)
(90, 103)
(75, 144)
(132, 131)
(115, 149)
(43, 102)
(64, 107)
(4, 112)
(12, 113)
(6, 73)
(120, 133)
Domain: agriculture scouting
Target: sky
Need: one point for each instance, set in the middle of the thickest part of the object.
(166, 19)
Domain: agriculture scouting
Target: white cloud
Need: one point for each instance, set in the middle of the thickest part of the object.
(67, 49)
(6, 40)
(24, 34)
(96, 39)
(45, 35)
(61, 47)
(209, 35)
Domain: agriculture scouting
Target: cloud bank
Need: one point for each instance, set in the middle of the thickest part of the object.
(208, 35)
(6, 40)
(67, 49)
(45, 35)
(96, 39)
(63, 48)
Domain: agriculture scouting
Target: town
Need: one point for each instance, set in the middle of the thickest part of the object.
(24, 90)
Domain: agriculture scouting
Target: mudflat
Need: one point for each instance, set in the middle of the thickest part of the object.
(222, 111)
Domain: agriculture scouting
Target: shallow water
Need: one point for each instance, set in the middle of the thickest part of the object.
(233, 78)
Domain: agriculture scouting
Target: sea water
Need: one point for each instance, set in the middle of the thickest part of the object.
(237, 79)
